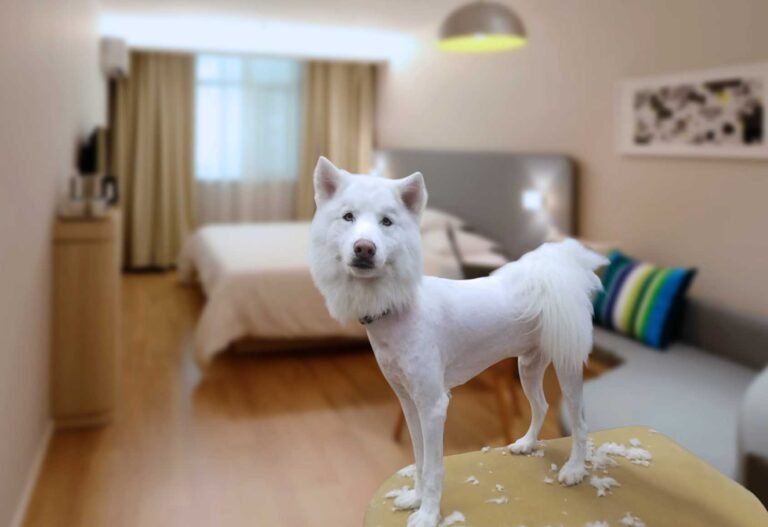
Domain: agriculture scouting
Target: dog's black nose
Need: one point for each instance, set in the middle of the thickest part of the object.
(364, 249)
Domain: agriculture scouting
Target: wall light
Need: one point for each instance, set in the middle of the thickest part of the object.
(482, 27)
(532, 200)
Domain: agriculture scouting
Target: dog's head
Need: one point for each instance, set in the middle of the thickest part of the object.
(366, 249)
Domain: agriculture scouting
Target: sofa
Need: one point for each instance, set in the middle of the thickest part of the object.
(708, 390)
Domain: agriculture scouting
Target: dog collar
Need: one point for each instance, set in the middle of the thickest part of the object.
(370, 319)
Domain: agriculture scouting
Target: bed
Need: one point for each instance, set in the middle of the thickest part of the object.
(256, 276)
(257, 284)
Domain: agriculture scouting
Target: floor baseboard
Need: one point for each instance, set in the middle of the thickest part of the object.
(32, 477)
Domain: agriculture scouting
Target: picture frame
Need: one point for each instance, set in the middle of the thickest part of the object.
(716, 113)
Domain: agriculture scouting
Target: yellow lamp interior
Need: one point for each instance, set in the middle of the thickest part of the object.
(481, 43)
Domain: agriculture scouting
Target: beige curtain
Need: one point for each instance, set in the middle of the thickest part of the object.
(152, 156)
(339, 122)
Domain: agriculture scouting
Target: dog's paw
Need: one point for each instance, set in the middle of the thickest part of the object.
(572, 473)
(423, 518)
(524, 445)
(408, 499)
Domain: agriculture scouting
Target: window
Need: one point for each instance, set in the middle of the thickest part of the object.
(247, 112)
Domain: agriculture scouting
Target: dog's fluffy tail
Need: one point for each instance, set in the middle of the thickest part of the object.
(558, 281)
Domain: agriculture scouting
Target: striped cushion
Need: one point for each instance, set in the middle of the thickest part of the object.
(641, 300)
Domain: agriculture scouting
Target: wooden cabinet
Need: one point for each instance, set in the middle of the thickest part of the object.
(86, 320)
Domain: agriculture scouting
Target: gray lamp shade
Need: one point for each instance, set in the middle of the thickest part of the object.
(482, 27)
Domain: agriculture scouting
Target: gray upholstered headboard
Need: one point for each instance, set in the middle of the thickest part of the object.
(486, 189)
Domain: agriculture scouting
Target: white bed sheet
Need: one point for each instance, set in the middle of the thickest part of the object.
(256, 278)
(257, 282)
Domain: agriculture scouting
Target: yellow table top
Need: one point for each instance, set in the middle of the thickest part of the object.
(675, 490)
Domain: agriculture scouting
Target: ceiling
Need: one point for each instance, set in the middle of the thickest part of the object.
(396, 15)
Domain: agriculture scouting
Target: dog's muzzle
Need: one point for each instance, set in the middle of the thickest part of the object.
(362, 263)
(365, 253)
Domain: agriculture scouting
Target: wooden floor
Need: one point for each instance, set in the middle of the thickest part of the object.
(280, 440)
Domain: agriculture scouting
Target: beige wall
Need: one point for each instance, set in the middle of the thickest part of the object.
(558, 95)
(51, 93)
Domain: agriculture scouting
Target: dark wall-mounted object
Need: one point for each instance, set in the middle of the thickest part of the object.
(92, 154)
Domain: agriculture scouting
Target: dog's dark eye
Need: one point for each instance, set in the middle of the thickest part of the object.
(386, 221)
(348, 216)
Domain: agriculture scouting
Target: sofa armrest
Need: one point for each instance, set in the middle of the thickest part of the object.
(756, 476)
(753, 432)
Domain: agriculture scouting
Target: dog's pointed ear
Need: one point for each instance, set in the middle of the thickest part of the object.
(413, 192)
(327, 180)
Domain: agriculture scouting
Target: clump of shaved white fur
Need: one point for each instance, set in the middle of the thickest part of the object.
(349, 298)
(596, 524)
(452, 518)
(600, 460)
(603, 485)
(632, 521)
(407, 472)
(638, 455)
(614, 449)
(395, 493)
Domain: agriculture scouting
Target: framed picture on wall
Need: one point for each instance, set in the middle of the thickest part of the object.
(710, 113)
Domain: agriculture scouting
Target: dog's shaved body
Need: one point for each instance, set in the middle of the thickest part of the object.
(431, 334)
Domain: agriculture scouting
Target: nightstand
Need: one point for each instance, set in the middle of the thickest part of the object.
(86, 320)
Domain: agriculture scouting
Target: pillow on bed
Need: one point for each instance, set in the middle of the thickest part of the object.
(434, 219)
(641, 300)
(436, 241)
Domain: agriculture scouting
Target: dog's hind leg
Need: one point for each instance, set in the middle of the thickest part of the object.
(410, 499)
(432, 408)
(571, 384)
(532, 366)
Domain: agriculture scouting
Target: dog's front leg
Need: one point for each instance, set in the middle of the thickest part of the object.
(411, 499)
(432, 408)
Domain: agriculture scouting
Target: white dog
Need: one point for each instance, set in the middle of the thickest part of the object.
(430, 334)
